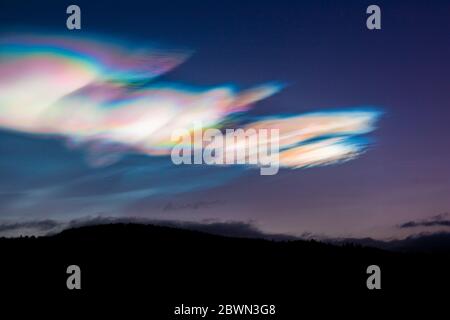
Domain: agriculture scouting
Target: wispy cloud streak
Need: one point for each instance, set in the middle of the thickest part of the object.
(440, 220)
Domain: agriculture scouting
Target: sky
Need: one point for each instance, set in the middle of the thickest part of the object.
(300, 63)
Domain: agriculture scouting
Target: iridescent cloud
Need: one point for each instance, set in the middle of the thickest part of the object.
(100, 96)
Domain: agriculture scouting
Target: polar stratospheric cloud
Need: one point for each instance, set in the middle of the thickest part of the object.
(105, 98)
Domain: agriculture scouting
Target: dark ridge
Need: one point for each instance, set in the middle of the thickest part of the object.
(172, 265)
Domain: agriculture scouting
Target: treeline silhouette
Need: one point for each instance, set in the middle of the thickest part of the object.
(169, 266)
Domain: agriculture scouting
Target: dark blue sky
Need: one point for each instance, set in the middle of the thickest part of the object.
(328, 59)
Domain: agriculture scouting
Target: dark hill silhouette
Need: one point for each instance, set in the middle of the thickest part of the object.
(170, 266)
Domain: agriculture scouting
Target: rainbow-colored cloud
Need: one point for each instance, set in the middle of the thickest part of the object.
(104, 97)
